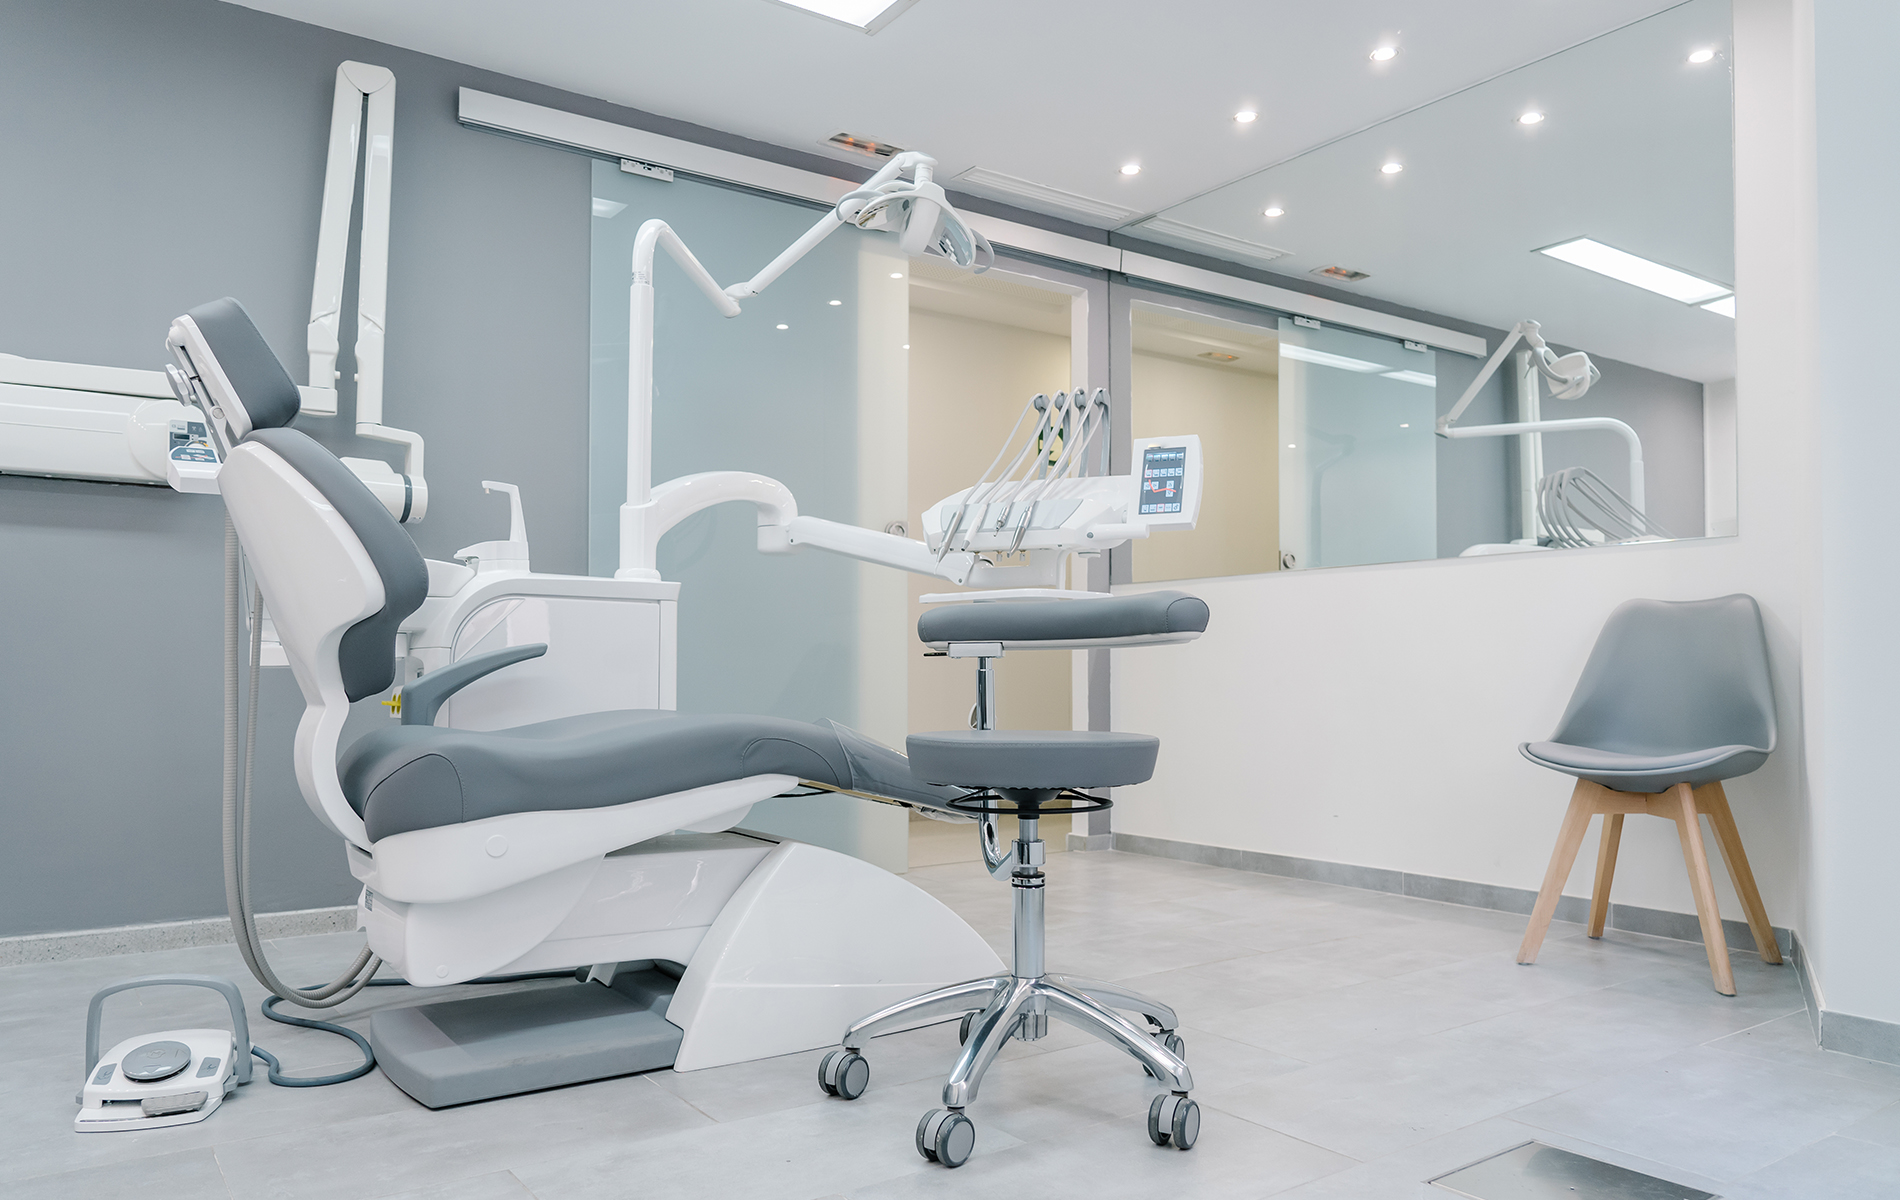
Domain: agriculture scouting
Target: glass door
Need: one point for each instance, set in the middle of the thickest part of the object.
(1358, 458)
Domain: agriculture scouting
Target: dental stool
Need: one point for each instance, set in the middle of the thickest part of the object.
(1031, 774)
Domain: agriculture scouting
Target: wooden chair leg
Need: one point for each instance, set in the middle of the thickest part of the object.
(1696, 858)
(1711, 799)
(1606, 871)
(1569, 841)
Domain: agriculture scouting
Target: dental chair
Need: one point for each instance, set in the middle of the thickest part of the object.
(603, 843)
(1032, 774)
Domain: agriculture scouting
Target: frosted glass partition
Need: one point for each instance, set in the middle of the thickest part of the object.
(1358, 458)
(807, 385)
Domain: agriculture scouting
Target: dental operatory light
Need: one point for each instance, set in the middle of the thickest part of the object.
(866, 15)
(1275, 211)
(1698, 57)
(1131, 168)
(1384, 54)
(1724, 307)
(1391, 168)
(1532, 117)
(1621, 265)
(1246, 116)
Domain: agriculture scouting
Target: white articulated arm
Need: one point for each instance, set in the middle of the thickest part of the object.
(917, 209)
(1570, 375)
(372, 134)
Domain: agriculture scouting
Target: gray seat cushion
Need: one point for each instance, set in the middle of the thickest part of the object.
(1645, 772)
(408, 777)
(1055, 624)
(1013, 758)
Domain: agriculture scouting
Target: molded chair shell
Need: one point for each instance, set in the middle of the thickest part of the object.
(1674, 692)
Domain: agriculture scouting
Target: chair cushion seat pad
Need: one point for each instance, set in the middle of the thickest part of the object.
(408, 777)
(1022, 624)
(1647, 773)
(1014, 758)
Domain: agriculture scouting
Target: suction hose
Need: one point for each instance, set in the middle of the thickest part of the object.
(237, 841)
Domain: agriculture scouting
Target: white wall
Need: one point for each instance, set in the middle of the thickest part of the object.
(1371, 715)
(1855, 654)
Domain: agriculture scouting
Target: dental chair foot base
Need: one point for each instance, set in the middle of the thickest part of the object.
(458, 1051)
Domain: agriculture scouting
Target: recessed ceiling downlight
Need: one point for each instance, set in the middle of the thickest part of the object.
(1632, 269)
(1384, 54)
(1698, 57)
(867, 15)
(1533, 117)
(1392, 168)
(1274, 210)
(1131, 168)
(1246, 116)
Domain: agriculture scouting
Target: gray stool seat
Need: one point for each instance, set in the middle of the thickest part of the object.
(1038, 759)
(1147, 618)
(1645, 772)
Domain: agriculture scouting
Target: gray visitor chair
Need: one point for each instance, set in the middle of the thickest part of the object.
(1674, 699)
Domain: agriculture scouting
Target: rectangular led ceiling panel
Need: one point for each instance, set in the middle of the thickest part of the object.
(1625, 267)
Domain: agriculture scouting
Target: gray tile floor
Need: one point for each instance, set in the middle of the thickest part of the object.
(1345, 1044)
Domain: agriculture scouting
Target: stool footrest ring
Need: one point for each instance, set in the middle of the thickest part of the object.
(991, 802)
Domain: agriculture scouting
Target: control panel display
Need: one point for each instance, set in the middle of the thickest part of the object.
(1163, 482)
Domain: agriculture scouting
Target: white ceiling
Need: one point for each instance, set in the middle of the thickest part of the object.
(1063, 95)
(1634, 151)
(1060, 94)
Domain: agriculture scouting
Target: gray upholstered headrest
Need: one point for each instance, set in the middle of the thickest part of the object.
(367, 654)
(262, 385)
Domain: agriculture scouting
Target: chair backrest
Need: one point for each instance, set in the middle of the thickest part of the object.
(1673, 676)
(338, 574)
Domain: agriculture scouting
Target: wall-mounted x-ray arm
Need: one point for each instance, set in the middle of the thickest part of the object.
(1570, 376)
(362, 124)
(919, 212)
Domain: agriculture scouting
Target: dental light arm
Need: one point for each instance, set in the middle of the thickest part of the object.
(354, 131)
(926, 224)
(1570, 376)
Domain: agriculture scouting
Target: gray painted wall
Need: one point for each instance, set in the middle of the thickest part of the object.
(165, 152)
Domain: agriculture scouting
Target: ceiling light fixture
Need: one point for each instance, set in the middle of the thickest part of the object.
(836, 303)
(1698, 57)
(897, 274)
(1246, 116)
(1276, 211)
(1131, 168)
(866, 15)
(1621, 265)
(1384, 54)
(1725, 307)
(784, 326)
(1391, 168)
(1531, 118)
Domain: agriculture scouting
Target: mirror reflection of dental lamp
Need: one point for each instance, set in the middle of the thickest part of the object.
(1570, 376)
(926, 224)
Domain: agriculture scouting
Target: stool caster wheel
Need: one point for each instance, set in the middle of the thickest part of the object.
(844, 1074)
(963, 1030)
(1176, 1119)
(1174, 1045)
(946, 1136)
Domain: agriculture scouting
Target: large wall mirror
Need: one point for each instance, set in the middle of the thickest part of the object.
(1591, 192)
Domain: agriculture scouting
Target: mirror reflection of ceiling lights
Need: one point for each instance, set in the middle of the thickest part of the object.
(1621, 265)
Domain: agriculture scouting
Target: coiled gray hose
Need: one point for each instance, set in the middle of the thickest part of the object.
(237, 804)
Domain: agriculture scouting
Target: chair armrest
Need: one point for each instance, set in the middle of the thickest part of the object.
(422, 699)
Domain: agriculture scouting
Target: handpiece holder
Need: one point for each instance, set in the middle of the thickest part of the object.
(240, 1027)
